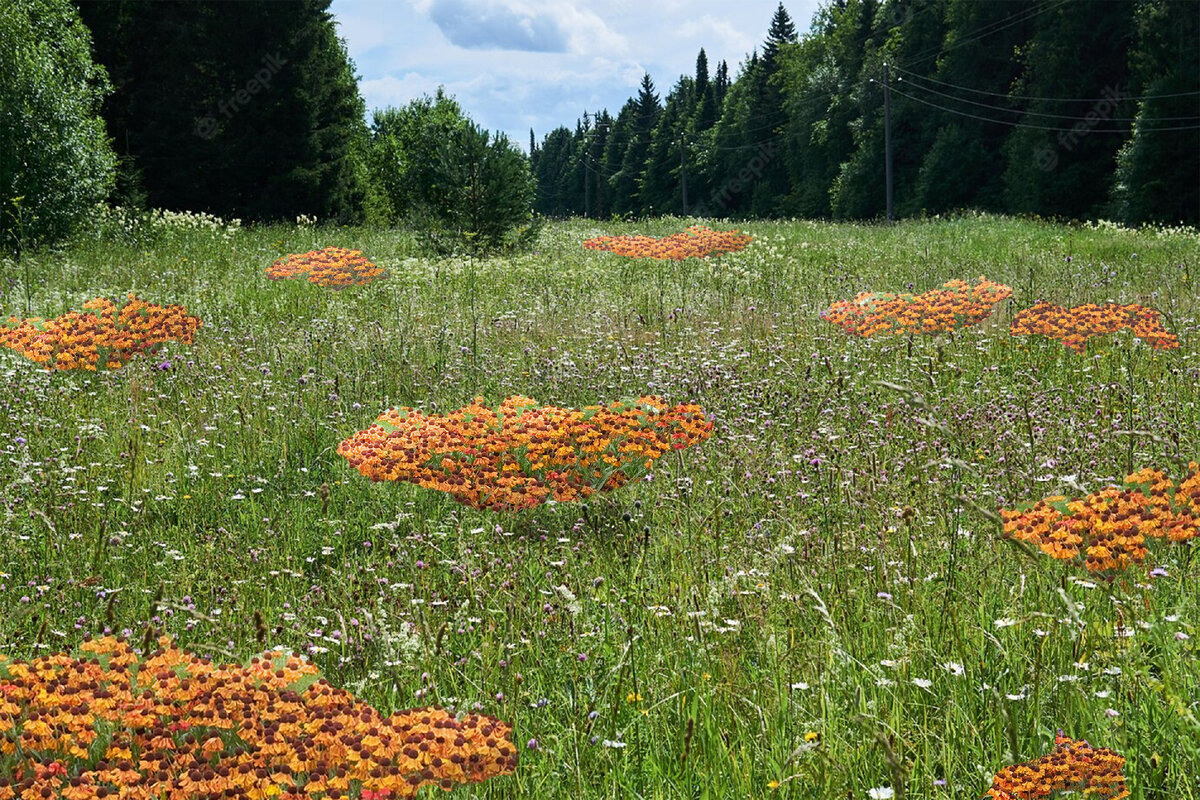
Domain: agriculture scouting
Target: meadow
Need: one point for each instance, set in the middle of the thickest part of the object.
(816, 602)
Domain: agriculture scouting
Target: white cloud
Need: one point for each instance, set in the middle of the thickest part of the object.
(716, 34)
(541, 63)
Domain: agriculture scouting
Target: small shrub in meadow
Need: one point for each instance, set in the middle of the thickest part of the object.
(696, 242)
(103, 334)
(1108, 529)
(1072, 766)
(111, 723)
(1074, 326)
(522, 454)
(956, 305)
(330, 267)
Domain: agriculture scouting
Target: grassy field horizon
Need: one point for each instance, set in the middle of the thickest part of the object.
(815, 602)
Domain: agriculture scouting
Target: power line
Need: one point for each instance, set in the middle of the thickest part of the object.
(1040, 99)
(1037, 127)
(1064, 117)
(983, 32)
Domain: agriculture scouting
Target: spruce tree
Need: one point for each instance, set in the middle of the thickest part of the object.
(552, 171)
(1068, 172)
(1158, 171)
(246, 109)
(911, 40)
(626, 181)
(816, 78)
(660, 191)
(960, 168)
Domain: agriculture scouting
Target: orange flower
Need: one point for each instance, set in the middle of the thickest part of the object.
(1074, 326)
(696, 242)
(1071, 766)
(521, 454)
(270, 729)
(956, 305)
(331, 267)
(1108, 529)
(103, 333)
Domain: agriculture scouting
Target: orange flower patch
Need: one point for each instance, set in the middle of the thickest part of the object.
(957, 304)
(109, 723)
(1071, 766)
(522, 454)
(331, 267)
(1074, 326)
(102, 335)
(1108, 529)
(696, 242)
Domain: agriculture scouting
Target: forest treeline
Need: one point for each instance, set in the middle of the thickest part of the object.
(1062, 108)
(251, 109)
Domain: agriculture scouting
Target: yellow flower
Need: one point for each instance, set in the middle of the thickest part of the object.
(772, 784)
(811, 736)
(633, 697)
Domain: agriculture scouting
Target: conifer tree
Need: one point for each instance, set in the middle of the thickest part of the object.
(1158, 173)
(247, 109)
(626, 181)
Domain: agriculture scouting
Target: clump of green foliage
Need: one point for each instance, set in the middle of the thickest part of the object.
(55, 159)
(460, 187)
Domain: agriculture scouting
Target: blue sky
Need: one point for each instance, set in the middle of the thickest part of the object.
(517, 64)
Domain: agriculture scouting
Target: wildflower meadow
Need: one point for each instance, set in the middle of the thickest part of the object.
(802, 510)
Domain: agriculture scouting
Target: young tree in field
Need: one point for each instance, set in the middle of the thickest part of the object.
(246, 109)
(399, 155)
(55, 159)
(481, 197)
(461, 187)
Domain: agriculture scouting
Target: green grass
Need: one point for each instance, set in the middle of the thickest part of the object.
(824, 564)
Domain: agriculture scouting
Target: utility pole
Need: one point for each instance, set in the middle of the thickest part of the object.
(887, 139)
(587, 207)
(683, 171)
(596, 160)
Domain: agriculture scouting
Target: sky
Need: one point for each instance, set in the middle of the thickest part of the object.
(520, 64)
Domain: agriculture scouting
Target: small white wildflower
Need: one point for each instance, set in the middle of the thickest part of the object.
(881, 793)
(1004, 622)
(923, 683)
